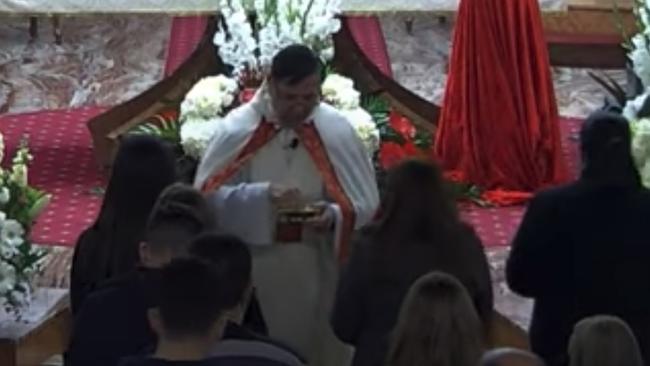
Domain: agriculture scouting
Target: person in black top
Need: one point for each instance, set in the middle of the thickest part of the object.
(234, 262)
(112, 322)
(417, 231)
(143, 168)
(191, 317)
(583, 249)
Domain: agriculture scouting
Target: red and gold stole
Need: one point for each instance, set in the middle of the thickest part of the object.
(310, 138)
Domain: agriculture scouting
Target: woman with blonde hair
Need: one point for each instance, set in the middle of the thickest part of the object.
(437, 325)
(604, 341)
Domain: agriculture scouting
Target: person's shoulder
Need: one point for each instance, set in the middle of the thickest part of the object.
(333, 117)
(243, 360)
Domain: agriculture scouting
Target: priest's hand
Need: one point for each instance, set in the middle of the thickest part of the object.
(324, 221)
(283, 197)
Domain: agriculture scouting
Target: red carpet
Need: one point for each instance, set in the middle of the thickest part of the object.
(63, 162)
(497, 226)
(63, 165)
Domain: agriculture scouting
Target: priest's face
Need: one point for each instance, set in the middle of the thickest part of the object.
(293, 103)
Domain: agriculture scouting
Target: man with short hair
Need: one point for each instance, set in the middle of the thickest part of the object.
(232, 259)
(190, 318)
(112, 323)
(289, 175)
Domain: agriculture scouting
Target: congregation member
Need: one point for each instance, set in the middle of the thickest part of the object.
(510, 357)
(190, 318)
(604, 341)
(112, 322)
(418, 231)
(143, 167)
(289, 175)
(437, 325)
(233, 259)
(583, 249)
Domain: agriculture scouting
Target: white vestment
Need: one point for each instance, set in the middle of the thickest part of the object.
(295, 282)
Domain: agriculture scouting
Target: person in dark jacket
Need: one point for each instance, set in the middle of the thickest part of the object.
(583, 249)
(190, 318)
(418, 231)
(143, 167)
(112, 323)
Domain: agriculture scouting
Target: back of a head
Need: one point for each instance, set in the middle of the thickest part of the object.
(604, 341)
(510, 357)
(180, 214)
(232, 259)
(189, 306)
(294, 63)
(437, 325)
(605, 141)
(417, 204)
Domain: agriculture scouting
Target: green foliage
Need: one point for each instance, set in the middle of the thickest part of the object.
(168, 129)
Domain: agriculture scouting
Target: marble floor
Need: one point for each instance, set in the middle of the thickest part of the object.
(109, 59)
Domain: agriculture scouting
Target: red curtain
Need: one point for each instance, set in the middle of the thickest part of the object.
(499, 124)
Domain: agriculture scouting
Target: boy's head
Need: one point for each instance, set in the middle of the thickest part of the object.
(190, 310)
(232, 259)
(180, 214)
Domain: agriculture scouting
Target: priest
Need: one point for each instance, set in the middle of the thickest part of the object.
(288, 174)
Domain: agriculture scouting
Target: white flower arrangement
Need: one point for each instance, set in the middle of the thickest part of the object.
(251, 32)
(339, 91)
(202, 110)
(209, 98)
(365, 127)
(196, 135)
(20, 204)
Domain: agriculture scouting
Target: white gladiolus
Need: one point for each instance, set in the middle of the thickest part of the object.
(196, 135)
(209, 98)
(2, 148)
(632, 107)
(277, 24)
(365, 127)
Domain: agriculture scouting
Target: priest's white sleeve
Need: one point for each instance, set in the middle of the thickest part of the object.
(245, 210)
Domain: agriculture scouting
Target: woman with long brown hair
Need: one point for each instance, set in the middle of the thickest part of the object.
(437, 325)
(418, 230)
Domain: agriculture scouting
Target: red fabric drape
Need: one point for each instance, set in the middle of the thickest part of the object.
(499, 123)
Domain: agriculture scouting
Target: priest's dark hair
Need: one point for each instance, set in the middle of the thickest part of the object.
(232, 258)
(295, 63)
(190, 303)
(180, 215)
(605, 142)
(143, 167)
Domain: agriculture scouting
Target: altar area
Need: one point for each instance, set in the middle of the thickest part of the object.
(110, 56)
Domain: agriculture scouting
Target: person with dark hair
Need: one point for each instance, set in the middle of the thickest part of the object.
(143, 167)
(191, 316)
(233, 261)
(583, 249)
(510, 357)
(417, 231)
(437, 325)
(289, 175)
(112, 323)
